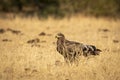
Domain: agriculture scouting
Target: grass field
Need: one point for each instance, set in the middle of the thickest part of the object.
(21, 60)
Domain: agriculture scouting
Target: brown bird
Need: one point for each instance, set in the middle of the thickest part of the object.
(71, 50)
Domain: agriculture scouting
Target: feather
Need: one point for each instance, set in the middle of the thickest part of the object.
(71, 50)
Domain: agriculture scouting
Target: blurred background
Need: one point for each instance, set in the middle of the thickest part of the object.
(61, 8)
(28, 44)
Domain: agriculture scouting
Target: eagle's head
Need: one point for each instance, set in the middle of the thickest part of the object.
(60, 36)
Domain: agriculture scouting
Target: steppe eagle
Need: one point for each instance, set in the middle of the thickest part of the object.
(71, 50)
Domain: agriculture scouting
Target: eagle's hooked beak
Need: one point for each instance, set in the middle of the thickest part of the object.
(57, 36)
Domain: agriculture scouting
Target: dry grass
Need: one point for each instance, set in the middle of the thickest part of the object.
(20, 61)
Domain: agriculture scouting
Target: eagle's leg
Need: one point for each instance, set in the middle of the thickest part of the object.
(71, 58)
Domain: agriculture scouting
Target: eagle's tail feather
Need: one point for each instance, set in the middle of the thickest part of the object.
(90, 49)
(97, 51)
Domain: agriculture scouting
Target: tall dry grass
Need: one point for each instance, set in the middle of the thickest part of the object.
(20, 61)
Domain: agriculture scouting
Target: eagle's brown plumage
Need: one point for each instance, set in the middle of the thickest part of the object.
(72, 50)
